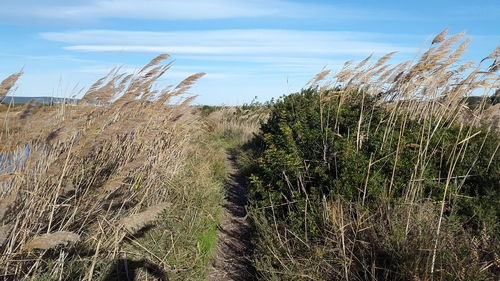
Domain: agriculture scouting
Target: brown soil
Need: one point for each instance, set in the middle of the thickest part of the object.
(233, 242)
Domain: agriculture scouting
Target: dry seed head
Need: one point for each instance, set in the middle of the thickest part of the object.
(384, 59)
(440, 37)
(28, 108)
(495, 66)
(185, 84)
(112, 185)
(363, 62)
(8, 83)
(319, 77)
(52, 240)
(6, 203)
(446, 44)
(91, 92)
(136, 222)
(344, 75)
(186, 102)
(495, 54)
(4, 233)
(459, 51)
(155, 61)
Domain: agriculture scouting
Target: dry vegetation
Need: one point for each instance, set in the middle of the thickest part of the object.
(127, 184)
(122, 183)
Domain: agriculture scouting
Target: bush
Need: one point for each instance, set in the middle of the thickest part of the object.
(319, 147)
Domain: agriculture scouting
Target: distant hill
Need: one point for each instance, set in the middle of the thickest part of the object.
(42, 100)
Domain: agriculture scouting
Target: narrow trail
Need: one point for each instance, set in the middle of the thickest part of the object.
(233, 242)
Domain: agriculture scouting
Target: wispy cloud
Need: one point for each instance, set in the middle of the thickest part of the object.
(95, 10)
(250, 50)
(248, 42)
(104, 69)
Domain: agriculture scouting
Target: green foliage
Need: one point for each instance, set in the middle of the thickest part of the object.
(207, 110)
(312, 149)
(321, 147)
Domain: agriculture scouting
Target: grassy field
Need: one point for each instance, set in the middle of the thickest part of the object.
(377, 172)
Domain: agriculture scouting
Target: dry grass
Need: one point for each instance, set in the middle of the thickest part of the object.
(8, 83)
(52, 240)
(136, 222)
(88, 169)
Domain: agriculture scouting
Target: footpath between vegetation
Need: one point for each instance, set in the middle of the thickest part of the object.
(233, 242)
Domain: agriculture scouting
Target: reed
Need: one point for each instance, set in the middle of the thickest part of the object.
(81, 173)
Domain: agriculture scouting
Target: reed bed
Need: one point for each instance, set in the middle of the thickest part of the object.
(82, 182)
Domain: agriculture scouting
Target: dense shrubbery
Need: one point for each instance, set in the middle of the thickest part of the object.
(312, 144)
(322, 149)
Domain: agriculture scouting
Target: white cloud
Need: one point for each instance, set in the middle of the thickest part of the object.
(157, 9)
(225, 37)
(237, 43)
(131, 69)
(221, 50)
(92, 10)
(95, 10)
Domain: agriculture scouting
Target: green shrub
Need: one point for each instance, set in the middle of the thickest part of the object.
(321, 147)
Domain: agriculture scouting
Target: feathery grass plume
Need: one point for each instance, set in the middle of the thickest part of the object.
(6, 203)
(163, 96)
(93, 90)
(374, 73)
(8, 83)
(388, 72)
(462, 48)
(447, 43)
(156, 71)
(4, 233)
(493, 55)
(184, 103)
(136, 222)
(154, 62)
(136, 164)
(363, 62)
(52, 240)
(383, 59)
(110, 187)
(110, 89)
(465, 66)
(113, 184)
(180, 89)
(189, 81)
(28, 107)
(344, 75)
(186, 84)
(319, 77)
(495, 66)
(440, 37)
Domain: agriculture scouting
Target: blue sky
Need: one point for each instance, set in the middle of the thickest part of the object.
(248, 48)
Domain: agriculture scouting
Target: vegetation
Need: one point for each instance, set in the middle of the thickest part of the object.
(371, 176)
(376, 172)
(107, 191)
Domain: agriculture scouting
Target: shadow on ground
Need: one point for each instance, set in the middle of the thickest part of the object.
(126, 270)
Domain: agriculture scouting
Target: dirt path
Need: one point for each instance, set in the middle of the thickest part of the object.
(233, 241)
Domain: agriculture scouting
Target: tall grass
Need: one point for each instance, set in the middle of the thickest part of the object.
(83, 184)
